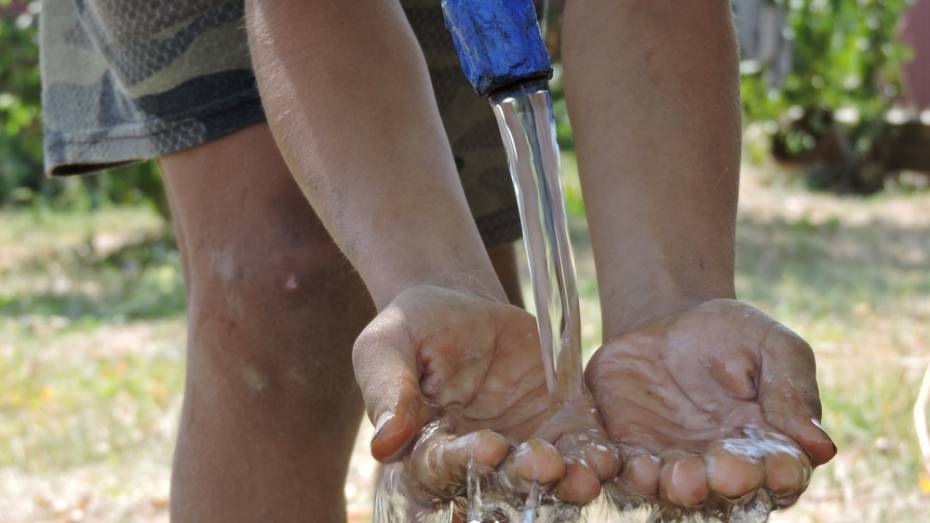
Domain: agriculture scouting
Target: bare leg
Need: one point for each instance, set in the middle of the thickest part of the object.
(504, 259)
(271, 407)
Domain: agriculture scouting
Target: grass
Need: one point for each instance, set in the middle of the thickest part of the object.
(853, 277)
(92, 335)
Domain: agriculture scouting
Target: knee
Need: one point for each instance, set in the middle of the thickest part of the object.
(275, 318)
(272, 283)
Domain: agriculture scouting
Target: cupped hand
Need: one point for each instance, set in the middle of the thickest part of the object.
(451, 378)
(710, 404)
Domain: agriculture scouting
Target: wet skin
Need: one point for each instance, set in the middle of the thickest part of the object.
(468, 369)
(711, 403)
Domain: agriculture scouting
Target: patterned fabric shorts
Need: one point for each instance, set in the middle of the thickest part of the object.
(130, 80)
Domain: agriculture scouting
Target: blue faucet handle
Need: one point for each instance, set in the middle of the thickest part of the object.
(498, 42)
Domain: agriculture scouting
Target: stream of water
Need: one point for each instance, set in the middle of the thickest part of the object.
(527, 126)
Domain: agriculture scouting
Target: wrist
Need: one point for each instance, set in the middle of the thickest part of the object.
(643, 299)
(476, 278)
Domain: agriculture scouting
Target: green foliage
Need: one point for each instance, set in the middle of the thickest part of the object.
(22, 181)
(20, 125)
(846, 56)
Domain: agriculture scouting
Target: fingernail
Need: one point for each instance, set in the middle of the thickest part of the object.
(825, 433)
(382, 420)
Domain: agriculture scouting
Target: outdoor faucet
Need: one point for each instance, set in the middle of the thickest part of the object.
(499, 44)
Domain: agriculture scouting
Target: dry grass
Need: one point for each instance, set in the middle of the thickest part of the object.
(91, 346)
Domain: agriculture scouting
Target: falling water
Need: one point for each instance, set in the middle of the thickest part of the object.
(474, 501)
(527, 126)
(532, 504)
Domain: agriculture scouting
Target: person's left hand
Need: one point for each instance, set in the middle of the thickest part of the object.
(711, 404)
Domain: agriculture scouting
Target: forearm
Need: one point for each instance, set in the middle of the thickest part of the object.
(348, 98)
(653, 95)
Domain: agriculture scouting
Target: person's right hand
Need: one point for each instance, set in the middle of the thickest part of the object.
(469, 369)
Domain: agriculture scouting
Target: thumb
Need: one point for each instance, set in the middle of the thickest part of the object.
(736, 372)
(385, 364)
(789, 396)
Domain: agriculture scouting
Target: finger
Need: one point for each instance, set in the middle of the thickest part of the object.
(789, 395)
(808, 433)
(589, 446)
(440, 461)
(580, 484)
(736, 373)
(589, 461)
(732, 473)
(683, 481)
(603, 460)
(386, 371)
(786, 476)
(534, 461)
(641, 472)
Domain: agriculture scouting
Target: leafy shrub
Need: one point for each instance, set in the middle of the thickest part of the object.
(846, 57)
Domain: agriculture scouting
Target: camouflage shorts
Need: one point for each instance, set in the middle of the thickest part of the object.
(129, 80)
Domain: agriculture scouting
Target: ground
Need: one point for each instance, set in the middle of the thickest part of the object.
(92, 345)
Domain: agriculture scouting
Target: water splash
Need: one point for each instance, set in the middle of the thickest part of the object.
(475, 504)
(398, 501)
(756, 510)
(532, 504)
(487, 500)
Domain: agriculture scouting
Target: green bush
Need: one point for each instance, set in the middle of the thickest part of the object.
(846, 55)
(20, 123)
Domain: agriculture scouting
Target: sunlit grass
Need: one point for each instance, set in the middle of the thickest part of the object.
(92, 335)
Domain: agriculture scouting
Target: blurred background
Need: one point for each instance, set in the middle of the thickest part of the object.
(833, 239)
